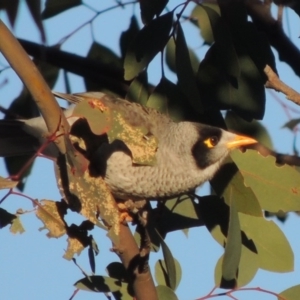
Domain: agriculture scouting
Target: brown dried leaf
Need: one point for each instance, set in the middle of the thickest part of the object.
(49, 213)
(96, 199)
(74, 247)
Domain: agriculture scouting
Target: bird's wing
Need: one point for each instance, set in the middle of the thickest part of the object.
(135, 114)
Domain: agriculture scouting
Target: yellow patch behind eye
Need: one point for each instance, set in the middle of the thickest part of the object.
(208, 143)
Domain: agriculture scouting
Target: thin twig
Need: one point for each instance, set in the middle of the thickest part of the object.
(275, 83)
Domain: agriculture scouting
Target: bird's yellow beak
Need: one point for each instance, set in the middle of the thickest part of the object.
(240, 141)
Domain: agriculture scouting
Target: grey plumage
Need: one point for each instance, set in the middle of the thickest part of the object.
(185, 157)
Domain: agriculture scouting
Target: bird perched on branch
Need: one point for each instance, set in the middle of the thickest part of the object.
(187, 154)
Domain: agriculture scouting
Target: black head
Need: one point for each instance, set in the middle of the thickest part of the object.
(209, 148)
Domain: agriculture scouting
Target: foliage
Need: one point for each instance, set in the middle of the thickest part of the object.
(231, 77)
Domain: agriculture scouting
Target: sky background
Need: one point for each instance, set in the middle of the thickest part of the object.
(31, 265)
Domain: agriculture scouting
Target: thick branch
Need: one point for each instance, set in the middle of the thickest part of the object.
(275, 83)
(128, 251)
(33, 80)
(262, 18)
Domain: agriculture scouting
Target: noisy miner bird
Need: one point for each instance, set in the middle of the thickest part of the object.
(188, 153)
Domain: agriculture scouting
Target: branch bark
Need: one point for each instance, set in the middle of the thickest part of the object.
(128, 251)
(275, 83)
(33, 80)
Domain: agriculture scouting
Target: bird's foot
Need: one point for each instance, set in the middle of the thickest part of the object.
(129, 210)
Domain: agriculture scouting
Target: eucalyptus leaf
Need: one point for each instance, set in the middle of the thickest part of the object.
(165, 293)
(54, 7)
(232, 254)
(277, 188)
(291, 293)
(151, 39)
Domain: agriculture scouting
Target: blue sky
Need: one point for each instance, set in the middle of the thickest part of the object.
(31, 265)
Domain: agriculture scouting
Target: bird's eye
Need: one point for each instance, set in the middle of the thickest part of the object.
(211, 142)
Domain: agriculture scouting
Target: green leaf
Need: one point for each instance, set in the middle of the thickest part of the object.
(248, 267)
(117, 270)
(165, 293)
(183, 206)
(204, 24)
(173, 278)
(254, 128)
(138, 89)
(171, 57)
(161, 275)
(151, 39)
(291, 293)
(54, 7)
(106, 56)
(229, 183)
(6, 218)
(158, 99)
(11, 8)
(101, 284)
(274, 251)
(250, 88)
(151, 8)
(185, 73)
(254, 43)
(168, 98)
(128, 35)
(291, 124)
(232, 254)
(277, 188)
(34, 7)
(226, 55)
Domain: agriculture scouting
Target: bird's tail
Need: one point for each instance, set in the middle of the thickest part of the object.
(14, 141)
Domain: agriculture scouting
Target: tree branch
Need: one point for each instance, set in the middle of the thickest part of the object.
(275, 83)
(33, 80)
(128, 251)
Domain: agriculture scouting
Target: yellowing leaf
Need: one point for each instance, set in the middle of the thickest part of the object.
(276, 188)
(8, 218)
(143, 148)
(7, 183)
(49, 213)
(274, 251)
(16, 226)
(109, 115)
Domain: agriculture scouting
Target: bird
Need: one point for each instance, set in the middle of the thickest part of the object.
(187, 155)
